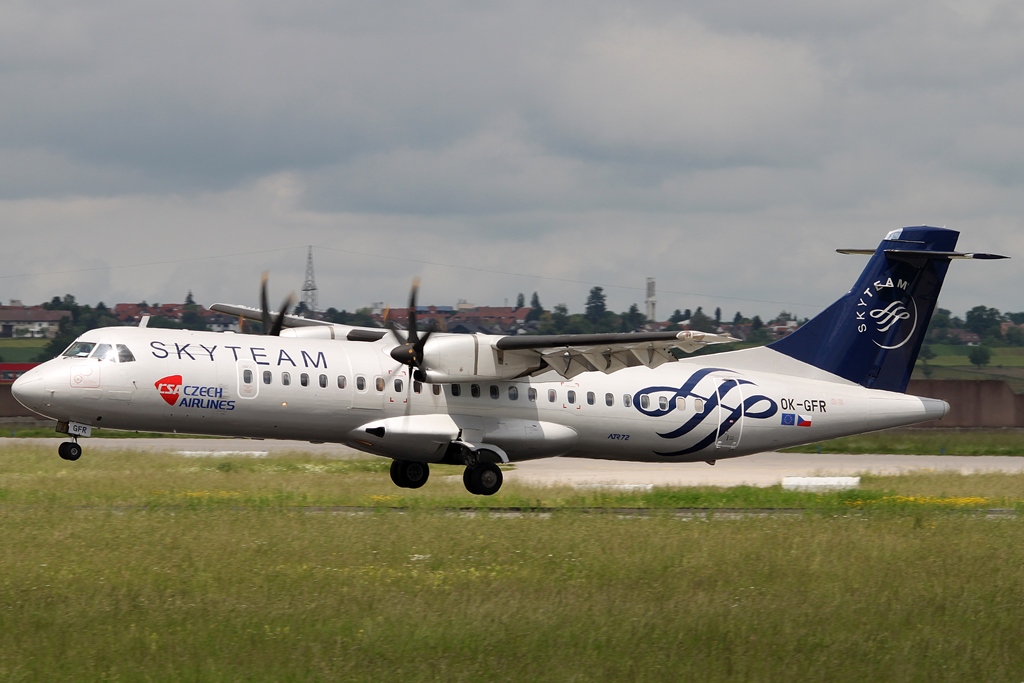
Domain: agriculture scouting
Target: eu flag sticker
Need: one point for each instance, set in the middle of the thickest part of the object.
(788, 419)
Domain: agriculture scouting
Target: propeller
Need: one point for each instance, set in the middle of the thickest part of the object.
(274, 327)
(410, 350)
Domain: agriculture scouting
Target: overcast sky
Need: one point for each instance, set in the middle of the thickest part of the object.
(725, 148)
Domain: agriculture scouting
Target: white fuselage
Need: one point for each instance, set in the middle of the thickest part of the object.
(696, 409)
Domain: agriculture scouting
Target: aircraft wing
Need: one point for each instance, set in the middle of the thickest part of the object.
(256, 315)
(572, 354)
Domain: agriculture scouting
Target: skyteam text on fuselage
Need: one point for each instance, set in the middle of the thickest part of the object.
(480, 400)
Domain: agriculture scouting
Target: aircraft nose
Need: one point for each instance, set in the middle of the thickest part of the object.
(29, 390)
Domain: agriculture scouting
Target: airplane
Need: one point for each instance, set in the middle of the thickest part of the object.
(479, 401)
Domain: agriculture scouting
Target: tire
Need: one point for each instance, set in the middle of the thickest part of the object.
(398, 474)
(415, 474)
(69, 451)
(486, 479)
(467, 481)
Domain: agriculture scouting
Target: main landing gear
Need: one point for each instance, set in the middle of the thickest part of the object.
(480, 478)
(70, 450)
(409, 474)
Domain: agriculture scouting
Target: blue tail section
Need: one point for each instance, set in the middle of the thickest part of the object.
(873, 334)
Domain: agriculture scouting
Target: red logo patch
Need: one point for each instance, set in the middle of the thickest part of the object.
(169, 387)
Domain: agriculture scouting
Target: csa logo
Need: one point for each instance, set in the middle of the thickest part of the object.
(169, 388)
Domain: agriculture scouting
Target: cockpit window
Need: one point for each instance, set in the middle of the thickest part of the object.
(124, 354)
(79, 350)
(104, 352)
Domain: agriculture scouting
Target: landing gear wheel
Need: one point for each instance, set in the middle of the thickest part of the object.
(483, 480)
(69, 450)
(398, 474)
(408, 474)
(467, 481)
(416, 474)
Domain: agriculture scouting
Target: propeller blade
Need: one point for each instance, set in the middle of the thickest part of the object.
(279, 321)
(410, 350)
(273, 326)
(411, 320)
(264, 306)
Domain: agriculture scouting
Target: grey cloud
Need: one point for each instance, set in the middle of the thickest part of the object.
(724, 147)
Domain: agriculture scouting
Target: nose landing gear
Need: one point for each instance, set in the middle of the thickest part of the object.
(70, 450)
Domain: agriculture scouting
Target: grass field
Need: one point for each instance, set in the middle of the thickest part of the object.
(151, 567)
(951, 362)
(926, 442)
(21, 350)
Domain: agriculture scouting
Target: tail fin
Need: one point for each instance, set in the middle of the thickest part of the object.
(873, 334)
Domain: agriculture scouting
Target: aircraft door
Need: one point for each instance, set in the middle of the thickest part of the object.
(341, 376)
(729, 392)
(248, 379)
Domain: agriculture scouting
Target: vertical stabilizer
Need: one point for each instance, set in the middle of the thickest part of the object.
(873, 334)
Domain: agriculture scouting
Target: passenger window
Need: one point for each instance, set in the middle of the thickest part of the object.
(456, 390)
(474, 390)
(609, 400)
(698, 405)
(304, 379)
(286, 378)
(591, 398)
(494, 391)
(247, 377)
(552, 395)
(436, 388)
(104, 352)
(124, 354)
(378, 383)
(681, 403)
(267, 376)
(531, 394)
(417, 386)
(341, 381)
(79, 350)
(627, 400)
(360, 383)
(513, 393)
(645, 401)
(572, 396)
(663, 402)
(398, 386)
(323, 381)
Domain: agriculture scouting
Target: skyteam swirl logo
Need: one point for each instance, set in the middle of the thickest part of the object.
(725, 403)
(885, 309)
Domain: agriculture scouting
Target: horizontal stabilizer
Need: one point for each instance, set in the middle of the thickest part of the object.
(916, 253)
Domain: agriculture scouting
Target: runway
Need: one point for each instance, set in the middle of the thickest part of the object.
(762, 469)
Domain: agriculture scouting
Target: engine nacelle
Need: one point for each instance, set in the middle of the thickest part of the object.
(465, 357)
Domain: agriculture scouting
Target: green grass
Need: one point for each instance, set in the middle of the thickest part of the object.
(925, 442)
(950, 362)
(152, 567)
(21, 350)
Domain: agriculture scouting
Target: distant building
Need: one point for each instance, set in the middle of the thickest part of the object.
(964, 337)
(30, 321)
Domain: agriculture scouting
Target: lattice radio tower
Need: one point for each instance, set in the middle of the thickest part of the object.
(309, 286)
(651, 300)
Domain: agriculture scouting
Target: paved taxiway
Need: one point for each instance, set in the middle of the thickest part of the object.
(763, 469)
